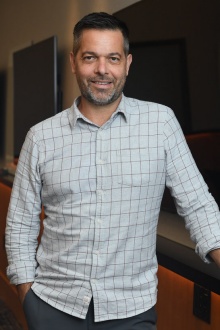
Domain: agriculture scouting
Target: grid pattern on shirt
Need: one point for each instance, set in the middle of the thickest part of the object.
(101, 188)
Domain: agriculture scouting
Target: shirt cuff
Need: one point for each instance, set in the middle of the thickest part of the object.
(204, 253)
(21, 272)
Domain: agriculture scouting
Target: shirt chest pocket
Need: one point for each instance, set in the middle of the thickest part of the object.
(137, 167)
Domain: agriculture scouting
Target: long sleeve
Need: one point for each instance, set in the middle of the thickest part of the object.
(190, 192)
(23, 222)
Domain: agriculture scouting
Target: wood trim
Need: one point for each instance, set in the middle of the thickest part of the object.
(189, 273)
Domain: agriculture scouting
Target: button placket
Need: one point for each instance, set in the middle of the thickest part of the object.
(99, 198)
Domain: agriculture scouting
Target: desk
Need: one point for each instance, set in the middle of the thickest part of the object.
(176, 252)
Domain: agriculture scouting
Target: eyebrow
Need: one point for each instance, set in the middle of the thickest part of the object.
(94, 53)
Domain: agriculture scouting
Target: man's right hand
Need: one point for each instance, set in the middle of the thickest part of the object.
(23, 290)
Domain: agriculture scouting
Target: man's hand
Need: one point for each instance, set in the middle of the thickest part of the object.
(215, 255)
(22, 290)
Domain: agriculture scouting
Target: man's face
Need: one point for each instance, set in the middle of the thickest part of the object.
(101, 66)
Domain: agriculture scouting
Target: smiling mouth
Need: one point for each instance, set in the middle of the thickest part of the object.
(101, 82)
(101, 85)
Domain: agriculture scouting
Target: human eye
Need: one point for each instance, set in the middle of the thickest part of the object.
(89, 58)
(114, 59)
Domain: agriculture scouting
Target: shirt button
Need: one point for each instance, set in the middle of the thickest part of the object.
(86, 300)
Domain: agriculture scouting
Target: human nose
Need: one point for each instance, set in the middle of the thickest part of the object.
(101, 66)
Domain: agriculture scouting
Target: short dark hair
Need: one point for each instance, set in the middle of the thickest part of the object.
(100, 21)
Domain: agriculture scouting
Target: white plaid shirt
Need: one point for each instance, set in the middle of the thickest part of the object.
(101, 188)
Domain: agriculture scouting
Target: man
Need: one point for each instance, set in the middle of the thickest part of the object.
(100, 168)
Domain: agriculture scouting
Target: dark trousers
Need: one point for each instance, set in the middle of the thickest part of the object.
(41, 316)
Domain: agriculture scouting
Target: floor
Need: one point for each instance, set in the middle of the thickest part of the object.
(7, 319)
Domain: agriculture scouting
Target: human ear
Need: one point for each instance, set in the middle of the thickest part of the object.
(72, 62)
(129, 60)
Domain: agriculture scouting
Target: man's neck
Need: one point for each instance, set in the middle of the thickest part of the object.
(99, 115)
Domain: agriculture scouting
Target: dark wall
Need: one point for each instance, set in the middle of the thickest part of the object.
(197, 23)
(2, 111)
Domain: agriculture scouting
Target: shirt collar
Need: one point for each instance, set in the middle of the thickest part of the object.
(75, 114)
(122, 108)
